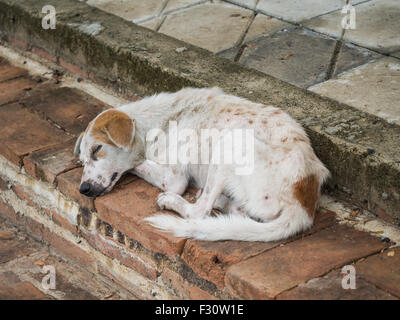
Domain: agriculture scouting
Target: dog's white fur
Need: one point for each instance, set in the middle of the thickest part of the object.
(274, 202)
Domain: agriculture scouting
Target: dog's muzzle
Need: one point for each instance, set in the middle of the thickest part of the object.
(91, 190)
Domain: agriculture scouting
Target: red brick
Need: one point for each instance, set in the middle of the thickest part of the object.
(270, 273)
(73, 68)
(20, 44)
(8, 72)
(124, 209)
(47, 164)
(3, 61)
(68, 183)
(196, 293)
(330, 287)
(8, 212)
(68, 107)
(382, 270)
(44, 54)
(64, 223)
(16, 89)
(22, 132)
(12, 249)
(21, 291)
(137, 292)
(211, 259)
(3, 184)
(116, 251)
(384, 216)
(182, 288)
(67, 248)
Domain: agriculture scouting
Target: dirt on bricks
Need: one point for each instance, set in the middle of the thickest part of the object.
(101, 249)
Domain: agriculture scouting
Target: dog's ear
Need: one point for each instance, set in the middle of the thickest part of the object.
(77, 149)
(115, 127)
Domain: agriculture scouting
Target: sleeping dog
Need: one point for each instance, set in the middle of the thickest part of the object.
(275, 196)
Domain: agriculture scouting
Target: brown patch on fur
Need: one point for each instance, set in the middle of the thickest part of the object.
(276, 112)
(251, 121)
(264, 121)
(284, 139)
(113, 127)
(306, 191)
(228, 110)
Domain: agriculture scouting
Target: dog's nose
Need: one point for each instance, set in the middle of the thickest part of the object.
(84, 188)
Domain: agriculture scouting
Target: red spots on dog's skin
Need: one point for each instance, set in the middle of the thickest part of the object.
(113, 127)
(299, 139)
(306, 191)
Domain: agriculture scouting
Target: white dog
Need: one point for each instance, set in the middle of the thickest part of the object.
(276, 199)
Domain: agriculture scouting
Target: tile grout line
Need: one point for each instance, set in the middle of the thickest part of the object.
(335, 54)
(240, 41)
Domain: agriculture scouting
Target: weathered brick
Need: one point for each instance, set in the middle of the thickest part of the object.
(8, 212)
(67, 248)
(65, 223)
(3, 183)
(22, 132)
(44, 54)
(73, 68)
(211, 259)
(124, 209)
(282, 268)
(329, 287)
(12, 249)
(47, 164)
(182, 288)
(8, 72)
(138, 292)
(16, 89)
(115, 251)
(383, 270)
(68, 107)
(68, 183)
(21, 291)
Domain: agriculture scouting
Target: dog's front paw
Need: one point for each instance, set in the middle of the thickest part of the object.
(165, 200)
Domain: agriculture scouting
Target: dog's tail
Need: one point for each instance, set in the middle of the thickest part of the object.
(293, 219)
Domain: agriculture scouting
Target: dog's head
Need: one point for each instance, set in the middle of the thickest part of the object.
(106, 150)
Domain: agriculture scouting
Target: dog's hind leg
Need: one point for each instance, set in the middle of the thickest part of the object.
(203, 206)
(228, 206)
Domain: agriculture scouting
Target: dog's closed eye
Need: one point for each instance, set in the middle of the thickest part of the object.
(95, 149)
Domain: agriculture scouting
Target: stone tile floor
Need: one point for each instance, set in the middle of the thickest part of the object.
(299, 41)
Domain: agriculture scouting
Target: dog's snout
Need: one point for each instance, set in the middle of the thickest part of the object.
(84, 188)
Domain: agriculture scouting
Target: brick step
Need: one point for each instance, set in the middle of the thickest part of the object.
(25, 266)
(39, 192)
